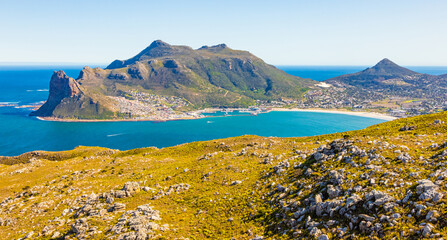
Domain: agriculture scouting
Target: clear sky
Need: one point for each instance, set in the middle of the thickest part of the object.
(295, 32)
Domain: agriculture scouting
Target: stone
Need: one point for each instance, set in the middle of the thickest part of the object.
(131, 188)
(117, 207)
(379, 198)
(432, 216)
(427, 229)
(29, 235)
(323, 237)
(315, 232)
(367, 217)
(280, 188)
(333, 192)
(352, 200)
(80, 226)
(365, 226)
(56, 234)
(318, 156)
(237, 182)
(427, 190)
(110, 199)
(318, 198)
(437, 121)
(407, 128)
(404, 157)
(258, 238)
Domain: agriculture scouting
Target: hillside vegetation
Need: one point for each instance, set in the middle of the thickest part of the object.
(383, 182)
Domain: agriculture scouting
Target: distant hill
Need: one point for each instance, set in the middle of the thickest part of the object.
(391, 79)
(215, 76)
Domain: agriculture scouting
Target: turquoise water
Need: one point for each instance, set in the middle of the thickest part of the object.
(26, 85)
(20, 133)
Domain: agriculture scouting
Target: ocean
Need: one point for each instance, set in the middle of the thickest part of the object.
(24, 85)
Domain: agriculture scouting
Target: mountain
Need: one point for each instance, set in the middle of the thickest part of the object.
(180, 77)
(388, 68)
(383, 182)
(379, 74)
(390, 79)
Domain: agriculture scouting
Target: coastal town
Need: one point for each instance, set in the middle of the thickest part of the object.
(144, 106)
(370, 101)
(334, 98)
(137, 105)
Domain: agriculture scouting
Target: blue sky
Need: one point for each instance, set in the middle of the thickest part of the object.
(300, 32)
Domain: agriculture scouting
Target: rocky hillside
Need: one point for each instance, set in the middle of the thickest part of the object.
(215, 76)
(386, 181)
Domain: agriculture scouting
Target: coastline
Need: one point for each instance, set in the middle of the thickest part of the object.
(210, 110)
(53, 119)
(339, 111)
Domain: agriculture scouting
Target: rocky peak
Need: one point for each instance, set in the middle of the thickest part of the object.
(222, 45)
(156, 49)
(215, 47)
(388, 67)
(385, 63)
(159, 43)
(61, 86)
(89, 73)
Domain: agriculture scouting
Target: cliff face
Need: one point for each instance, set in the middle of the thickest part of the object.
(68, 99)
(61, 86)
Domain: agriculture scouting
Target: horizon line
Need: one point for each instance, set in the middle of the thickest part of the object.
(106, 64)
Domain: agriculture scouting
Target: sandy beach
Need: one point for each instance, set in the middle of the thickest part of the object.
(340, 111)
(114, 120)
(210, 110)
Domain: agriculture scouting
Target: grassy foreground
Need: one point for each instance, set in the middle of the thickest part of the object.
(384, 181)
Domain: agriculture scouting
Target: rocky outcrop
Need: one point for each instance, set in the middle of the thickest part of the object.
(61, 86)
(69, 99)
(309, 197)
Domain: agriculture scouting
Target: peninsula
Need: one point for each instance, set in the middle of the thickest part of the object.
(165, 82)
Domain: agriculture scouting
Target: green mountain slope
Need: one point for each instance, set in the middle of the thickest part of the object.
(386, 181)
(214, 76)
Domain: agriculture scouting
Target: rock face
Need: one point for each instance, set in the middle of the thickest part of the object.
(61, 86)
(68, 99)
(215, 76)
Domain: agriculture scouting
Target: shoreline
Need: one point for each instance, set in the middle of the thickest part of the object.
(211, 110)
(339, 111)
(53, 119)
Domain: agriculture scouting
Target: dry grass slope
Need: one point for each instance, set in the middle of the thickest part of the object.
(358, 184)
